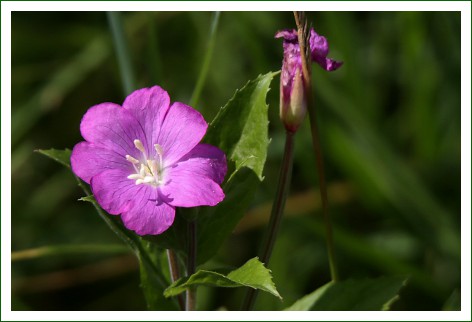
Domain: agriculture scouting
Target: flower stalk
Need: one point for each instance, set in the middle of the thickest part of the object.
(174, 273)
(276, 214)
(191, 264)
(304, 43)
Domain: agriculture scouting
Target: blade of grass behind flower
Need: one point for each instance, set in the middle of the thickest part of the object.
(59, 250)
(153, 51)
(206, 61)
(122, 51)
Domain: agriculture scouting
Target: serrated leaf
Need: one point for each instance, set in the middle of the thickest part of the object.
(352, 295)
(252, 274)
(241, 130)
(61, 156)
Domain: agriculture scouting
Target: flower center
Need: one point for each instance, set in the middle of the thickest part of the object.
(148, 169)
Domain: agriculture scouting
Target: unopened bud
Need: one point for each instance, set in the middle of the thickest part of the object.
(293, 101)
(293, 97)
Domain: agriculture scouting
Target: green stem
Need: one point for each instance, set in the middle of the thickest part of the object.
(191, 264)
(276, 214)
(206, 61)
(121, 48)
(174, 273)
(65, 250)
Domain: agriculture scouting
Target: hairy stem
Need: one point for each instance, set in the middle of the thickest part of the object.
(174, 273)
(276, 214)
(121, 48)
(304, 42)
(191, 263)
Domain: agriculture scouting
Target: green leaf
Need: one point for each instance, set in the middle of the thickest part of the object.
(61, 156)
(90, 199)
(352, 295)
(252, 274)
(241, 130)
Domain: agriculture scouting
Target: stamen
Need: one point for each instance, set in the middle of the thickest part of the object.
(139, 145)
(158, 149)
(149, 164)
(142, 170)
(160, 152)
(148, 179)
(154, 167)
(148, 170)
(131, 159)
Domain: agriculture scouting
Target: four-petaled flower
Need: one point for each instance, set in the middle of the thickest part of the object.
(144, 158)
(292, 80)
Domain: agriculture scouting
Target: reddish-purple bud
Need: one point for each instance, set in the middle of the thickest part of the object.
(292, 79)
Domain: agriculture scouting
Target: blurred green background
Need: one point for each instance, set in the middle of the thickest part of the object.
(390, 128)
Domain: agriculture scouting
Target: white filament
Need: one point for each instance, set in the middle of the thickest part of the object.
(150, 169)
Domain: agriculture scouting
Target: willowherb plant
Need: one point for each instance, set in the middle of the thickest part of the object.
(146, 162)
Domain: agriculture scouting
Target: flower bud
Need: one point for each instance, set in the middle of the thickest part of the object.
(293, 101)
(292, 81)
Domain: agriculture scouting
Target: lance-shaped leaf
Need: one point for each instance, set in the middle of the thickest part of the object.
(252, 274)
(61, 156)
(241, 130)
(352, 295)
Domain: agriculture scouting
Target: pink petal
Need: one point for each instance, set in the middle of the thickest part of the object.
(149, 106)
(88, 160)
(109, 125)
(114, 192)
(149, 215)
(182, 130)
(207, 161)
(187, 185)
(319, 50)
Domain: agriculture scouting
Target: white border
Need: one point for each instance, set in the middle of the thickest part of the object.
(8, 7)
(234, 6)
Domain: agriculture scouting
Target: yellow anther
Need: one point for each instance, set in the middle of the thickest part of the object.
(131, 159)
(158, 149)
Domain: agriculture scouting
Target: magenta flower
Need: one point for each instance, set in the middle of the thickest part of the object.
(144, 159)
(292, 80)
